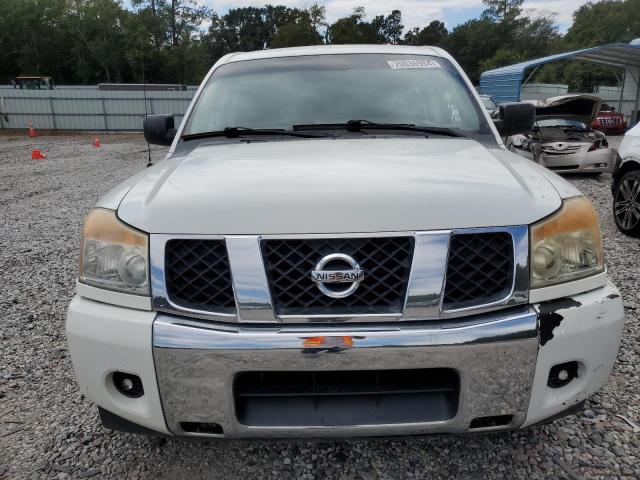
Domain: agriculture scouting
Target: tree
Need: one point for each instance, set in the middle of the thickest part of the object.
(298, 33)
(604, 22)
(537, 37)
(501, 36)
(96, 26)
(594, 24)
(352, 29)
(241, 29)
(472, 42)
(388, 29)
(433, 34)
(502, 10)
(252, 28)
(33, 36)
(501, 58)
(179, 18)
(91, 41)
(317, 15)
(177, 54)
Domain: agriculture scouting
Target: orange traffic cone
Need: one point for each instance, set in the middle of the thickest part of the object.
(37, 155)
(32, 131)
(96, 142)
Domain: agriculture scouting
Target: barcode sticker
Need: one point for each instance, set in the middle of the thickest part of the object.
(402, 64)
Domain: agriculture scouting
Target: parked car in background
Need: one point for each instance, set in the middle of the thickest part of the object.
(309, 263)
(33, 83)
(489, 103)
(562, 139)
(626, 184)
(609, 121)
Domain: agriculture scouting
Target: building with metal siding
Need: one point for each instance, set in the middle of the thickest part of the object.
(84, 109)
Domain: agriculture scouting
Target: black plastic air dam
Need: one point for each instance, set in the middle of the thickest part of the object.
(115, 422)
(344, 398)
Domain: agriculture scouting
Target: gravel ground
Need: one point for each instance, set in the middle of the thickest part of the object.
(48, 430)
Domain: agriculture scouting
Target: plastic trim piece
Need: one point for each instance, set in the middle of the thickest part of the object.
(567, 289)
(114, 422)
(139, 302)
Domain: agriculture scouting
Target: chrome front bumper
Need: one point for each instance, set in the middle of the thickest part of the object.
(494, 355)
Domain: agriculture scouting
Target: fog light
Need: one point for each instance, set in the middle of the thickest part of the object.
(562, 374)
(128, 384)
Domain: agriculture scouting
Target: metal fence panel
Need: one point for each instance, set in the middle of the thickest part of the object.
(86, 109)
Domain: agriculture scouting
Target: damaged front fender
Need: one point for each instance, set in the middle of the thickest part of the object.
(584, 328)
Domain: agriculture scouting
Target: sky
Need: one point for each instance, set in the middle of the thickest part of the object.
(414, 12)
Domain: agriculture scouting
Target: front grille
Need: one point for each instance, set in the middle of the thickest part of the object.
(341, 398)
(385, 260)
(480, 269)
(198, 276)
(568, 150)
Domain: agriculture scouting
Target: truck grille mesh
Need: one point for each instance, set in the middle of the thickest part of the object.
(198, 275)
(385, 260)
(480, 269)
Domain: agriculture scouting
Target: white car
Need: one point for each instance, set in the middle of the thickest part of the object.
(338, 244)
(626, 184)
(562, 138)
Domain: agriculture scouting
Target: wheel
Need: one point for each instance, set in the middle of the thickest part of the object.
(626, 204)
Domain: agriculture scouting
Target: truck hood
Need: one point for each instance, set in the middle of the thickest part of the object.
(338, 186)
(581, 108)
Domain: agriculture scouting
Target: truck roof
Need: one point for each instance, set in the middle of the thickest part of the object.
(333, 50)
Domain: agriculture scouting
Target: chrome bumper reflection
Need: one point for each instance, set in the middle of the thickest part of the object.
(495, 356)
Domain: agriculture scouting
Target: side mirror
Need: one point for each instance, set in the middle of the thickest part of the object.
(159, 129)
(515, 118)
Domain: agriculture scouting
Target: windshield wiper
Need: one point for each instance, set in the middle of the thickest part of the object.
(236, 132)
(359, 125)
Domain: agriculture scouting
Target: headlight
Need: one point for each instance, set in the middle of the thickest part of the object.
(566, 246)
(113, 255)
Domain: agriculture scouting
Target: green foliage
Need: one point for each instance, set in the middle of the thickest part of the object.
(23, 25)
(352, 29)
(604, 22)
(388, 29)
(92, 41)
(433, 34)
(471, 42)
(502, 36)
(501, 58)
(355, 29)
(599, 23)
(502, 10)
(299, 32)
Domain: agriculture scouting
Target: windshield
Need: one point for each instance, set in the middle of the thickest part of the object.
(560, 122)
(278, 93)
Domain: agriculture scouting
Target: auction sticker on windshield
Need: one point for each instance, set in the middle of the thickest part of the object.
(400, 64)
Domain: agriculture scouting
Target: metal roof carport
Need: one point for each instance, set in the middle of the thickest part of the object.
(504, 84)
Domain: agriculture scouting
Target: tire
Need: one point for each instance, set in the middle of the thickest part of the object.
(626, 203)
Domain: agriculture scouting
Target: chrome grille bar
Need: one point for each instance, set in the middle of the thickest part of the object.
(425, 289)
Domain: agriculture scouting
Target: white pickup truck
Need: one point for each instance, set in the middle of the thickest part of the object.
(339, 244)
